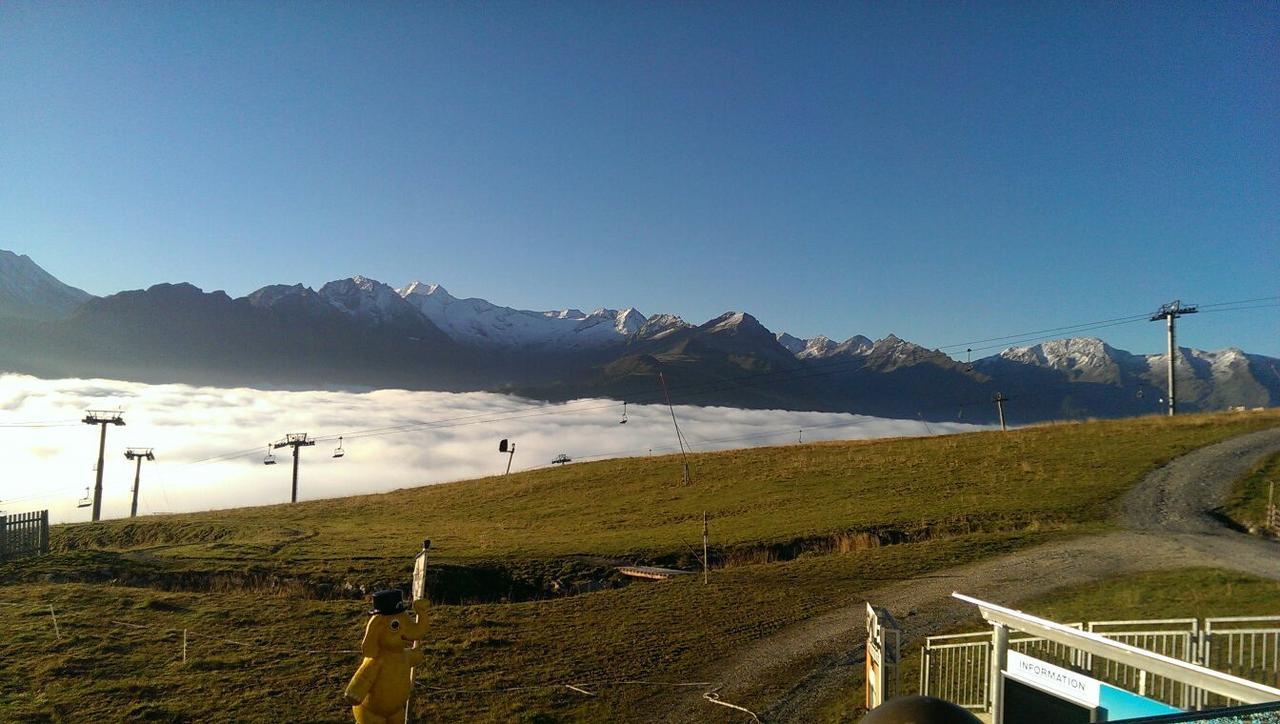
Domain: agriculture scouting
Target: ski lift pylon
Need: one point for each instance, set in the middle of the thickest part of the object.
(338, 451)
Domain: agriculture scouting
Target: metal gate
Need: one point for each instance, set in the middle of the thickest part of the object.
(956, 667)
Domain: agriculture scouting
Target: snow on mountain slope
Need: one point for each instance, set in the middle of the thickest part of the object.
(661, 325)
(370, 300)
(821, 347)
(478, 322)
(1084, 359)
(30, 292)
(792, 344)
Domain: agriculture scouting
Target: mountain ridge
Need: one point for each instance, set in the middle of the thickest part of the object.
(360, 331)
(27, 291)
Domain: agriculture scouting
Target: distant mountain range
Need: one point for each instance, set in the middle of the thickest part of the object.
(361, 333)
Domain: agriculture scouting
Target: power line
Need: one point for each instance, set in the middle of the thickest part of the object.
(75, 423)
(1239, 309)
(1240, 301)
(1077, 327)
(1097, 324)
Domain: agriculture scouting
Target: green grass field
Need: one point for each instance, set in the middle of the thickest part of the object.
(949, 500)
(1248, 502)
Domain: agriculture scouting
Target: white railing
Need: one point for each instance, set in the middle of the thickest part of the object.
(956, 667)
(1246, 646)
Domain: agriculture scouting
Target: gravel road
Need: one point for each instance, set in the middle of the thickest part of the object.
(1168, 523)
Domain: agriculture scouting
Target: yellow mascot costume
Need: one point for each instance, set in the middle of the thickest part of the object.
(378, 691)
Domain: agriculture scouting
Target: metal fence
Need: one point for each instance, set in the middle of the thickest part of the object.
(1176, 638)
(1245, 646)
(956, 667)
(24, 534)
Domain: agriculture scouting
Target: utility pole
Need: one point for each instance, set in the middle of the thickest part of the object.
(103, 418)
(706, 562)
(294, 440)
(1000, 399)
(1170, 312)
(139, 454)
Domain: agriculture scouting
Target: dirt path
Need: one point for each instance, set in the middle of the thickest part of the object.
(1168, 523)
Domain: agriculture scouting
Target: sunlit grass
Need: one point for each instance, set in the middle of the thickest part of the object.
(1047, 475)
(1249, 496)
(982, 494)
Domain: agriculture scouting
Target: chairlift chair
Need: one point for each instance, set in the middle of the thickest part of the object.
(86, 501)
(269, 459)
(338, 451)
(623, 421)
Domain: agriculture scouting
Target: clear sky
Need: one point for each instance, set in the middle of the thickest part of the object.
(943, 171)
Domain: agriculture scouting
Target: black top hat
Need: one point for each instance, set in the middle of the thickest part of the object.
(388, 602)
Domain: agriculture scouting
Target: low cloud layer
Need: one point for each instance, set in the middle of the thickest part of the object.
(210, 442)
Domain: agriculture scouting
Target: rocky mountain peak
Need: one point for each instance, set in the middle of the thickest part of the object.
(29, 292)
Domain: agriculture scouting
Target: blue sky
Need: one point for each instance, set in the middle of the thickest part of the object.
(945, 172)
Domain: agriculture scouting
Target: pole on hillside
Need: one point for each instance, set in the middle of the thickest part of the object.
(1000, 399)
(1271, 505)
(139, 454)
(679, 436)
(294, 440)
(706, 562)
(507, 447)
(1169, 312)
(103, 418)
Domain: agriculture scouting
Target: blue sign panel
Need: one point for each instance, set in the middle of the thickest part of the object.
(1120, 704)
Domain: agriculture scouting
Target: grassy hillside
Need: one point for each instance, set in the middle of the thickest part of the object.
(261, 653)
(1052, 475)
(1248, 502)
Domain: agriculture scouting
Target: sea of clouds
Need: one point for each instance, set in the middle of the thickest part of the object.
(210, 442)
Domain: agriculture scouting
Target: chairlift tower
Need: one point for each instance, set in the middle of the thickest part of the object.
(1170, 312)
(294, 440)
(103, 418)
(139, 454)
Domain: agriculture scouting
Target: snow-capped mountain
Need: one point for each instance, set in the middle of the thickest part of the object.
(370, 300)
(661, 325)
(29, 292)
(361, 332)
(821, 347)
(483, 324)
(1084, 359)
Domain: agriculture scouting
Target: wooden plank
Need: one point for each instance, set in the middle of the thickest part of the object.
(652, 572)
